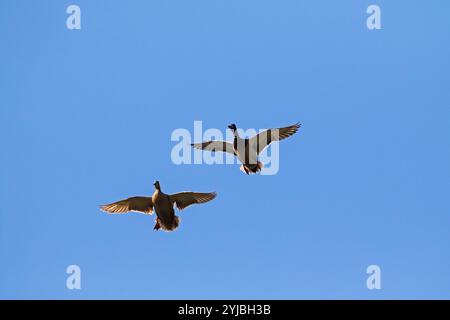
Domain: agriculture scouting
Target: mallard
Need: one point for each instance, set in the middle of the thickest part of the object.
(163, 204)
(247, 150)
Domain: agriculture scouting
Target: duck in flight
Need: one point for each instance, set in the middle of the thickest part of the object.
(163, 204)
(247, 150)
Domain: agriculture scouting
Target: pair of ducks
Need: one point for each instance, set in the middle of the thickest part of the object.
(246, 150)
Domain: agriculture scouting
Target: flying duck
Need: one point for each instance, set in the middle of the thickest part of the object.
(161, 203)
(247, 150)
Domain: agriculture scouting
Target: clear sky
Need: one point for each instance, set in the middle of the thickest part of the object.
(87, 116)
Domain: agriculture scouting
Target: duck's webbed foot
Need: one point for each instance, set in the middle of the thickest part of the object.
(157, 225)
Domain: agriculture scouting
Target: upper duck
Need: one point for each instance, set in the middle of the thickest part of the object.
(161, 203)
(247, 150)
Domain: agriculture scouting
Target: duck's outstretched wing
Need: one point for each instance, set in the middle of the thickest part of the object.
(138, 204)
(185, 199)
(263, 139)
(215, 146)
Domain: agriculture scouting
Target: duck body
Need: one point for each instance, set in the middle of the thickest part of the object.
(247, 150)
(247, 154)
(165, 214)
(160, 203)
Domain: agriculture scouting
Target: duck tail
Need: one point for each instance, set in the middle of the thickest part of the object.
(252, 168)
(173, 226)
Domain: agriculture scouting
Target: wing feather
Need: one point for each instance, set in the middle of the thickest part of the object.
(138, 204)
(213, 146)
(183, 200)
(263, 139)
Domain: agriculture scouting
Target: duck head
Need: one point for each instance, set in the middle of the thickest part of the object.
(232, 127)
(157, 186)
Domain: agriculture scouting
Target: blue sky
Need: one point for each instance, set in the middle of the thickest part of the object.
(87, 117)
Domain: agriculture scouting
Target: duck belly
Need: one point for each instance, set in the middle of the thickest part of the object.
(166, 214)
(247, 156)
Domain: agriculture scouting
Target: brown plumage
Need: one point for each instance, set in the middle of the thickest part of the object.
(163, 204)
(247, 150)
